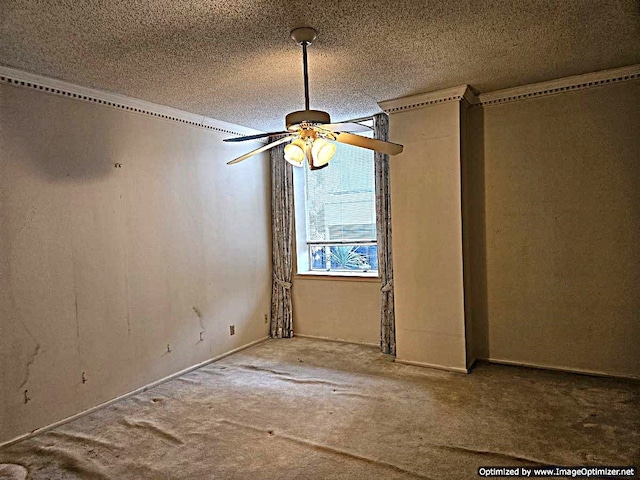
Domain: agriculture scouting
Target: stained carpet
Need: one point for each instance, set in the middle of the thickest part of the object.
(310, 409)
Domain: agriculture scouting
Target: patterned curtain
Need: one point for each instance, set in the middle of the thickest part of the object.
(383, 224)
(282, 231)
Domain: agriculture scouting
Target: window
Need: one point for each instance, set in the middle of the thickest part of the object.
(336, 214)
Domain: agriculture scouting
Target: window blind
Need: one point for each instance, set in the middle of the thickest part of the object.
(340, 199)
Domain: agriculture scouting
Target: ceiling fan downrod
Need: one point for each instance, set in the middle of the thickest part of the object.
(304, 36)
(305, 67)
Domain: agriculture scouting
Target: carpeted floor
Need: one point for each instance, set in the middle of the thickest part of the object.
(309, 409)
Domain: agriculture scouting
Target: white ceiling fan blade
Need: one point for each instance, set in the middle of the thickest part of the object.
(261, 149)
(346, 127)
(371, 143)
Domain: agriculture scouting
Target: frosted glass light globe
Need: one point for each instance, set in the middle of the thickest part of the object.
(294, 153)
(322, 151)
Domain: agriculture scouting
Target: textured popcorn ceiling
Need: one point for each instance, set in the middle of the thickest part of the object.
(233, 60)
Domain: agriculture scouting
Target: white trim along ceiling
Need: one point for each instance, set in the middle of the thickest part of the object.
(236, 62)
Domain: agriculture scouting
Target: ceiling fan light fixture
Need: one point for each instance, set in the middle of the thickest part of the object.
(322, 152)
(310, 131)
(294, 152)
(294, 119)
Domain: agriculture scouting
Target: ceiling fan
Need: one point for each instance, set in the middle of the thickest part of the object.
(310, 132)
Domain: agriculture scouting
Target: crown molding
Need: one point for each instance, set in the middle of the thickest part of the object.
(19, 78)
(561, 85)
(515, 94)
(454, 94)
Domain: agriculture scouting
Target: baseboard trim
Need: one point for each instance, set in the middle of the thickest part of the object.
(432, 365)
(127, 395)
(339, 340)
(579, 371)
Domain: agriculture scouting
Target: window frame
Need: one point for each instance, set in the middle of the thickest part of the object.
(302, 247)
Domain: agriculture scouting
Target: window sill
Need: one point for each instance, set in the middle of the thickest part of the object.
(339, 276)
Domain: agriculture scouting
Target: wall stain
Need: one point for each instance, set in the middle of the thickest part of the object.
(27, 220)
(37, 347)
(199, 318)
(77, 321)
(126, 288)
(75, 297)
(30, 362)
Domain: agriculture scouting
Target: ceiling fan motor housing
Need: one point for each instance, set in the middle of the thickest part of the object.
(309, 116)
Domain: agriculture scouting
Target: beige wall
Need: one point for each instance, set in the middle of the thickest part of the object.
(339, 309)
(101, 268)
(427, 236)
(473, 232)
(562, 184)
(543, 266)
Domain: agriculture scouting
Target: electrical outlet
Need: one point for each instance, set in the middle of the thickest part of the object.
(266, 318)
(232, 329)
